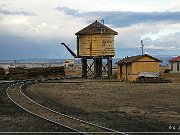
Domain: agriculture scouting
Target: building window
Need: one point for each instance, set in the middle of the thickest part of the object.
(178, 66)
(171, 66)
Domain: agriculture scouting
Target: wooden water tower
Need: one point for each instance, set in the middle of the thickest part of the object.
(96, 41)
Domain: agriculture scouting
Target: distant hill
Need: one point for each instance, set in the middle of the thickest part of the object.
(164, 60)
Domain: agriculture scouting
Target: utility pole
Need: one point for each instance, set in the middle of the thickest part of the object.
(142, 47)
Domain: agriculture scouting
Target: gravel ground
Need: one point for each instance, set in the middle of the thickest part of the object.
(14, 119)
(128, 107)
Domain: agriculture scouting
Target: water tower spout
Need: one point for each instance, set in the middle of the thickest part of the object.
(72, 53)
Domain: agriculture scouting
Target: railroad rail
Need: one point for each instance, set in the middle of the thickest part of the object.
(15, 94)
(13, 98)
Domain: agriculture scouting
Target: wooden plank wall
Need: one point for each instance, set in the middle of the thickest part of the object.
(37, 72)
(96, 45)
(54, 72)
(143, 65)
(132, 70)
(84, 45)
(19, 73)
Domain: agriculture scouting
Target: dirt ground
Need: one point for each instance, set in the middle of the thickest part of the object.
(129, 107)
(14, 119)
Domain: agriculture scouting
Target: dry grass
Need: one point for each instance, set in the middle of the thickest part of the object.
(152, 101)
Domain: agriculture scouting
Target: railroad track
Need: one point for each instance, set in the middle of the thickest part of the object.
(73, 124)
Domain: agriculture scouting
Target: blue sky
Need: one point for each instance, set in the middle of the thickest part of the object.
(35, 29)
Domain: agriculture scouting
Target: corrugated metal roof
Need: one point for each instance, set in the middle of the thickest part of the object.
(96, 28)
(131, 59)
(175, 59)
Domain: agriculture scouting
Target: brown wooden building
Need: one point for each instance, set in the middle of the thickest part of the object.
(96, 41)
(129, 67)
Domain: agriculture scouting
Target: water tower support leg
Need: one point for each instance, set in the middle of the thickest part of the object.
(97, 68)
(109, 60)
(84, 68)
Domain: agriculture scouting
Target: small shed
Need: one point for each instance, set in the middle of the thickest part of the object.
(130, 67)
(174, 64)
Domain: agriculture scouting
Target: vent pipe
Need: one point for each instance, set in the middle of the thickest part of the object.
(102, 21)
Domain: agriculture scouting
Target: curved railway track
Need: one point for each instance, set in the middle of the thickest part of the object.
(74, 125)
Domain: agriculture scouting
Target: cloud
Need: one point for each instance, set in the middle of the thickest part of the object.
(157, 29)
(67, 10)
(15, 12)
(168, 42)
(124, 18)
(159, 39)
(28, 36)
(106, 5)
(24, 48)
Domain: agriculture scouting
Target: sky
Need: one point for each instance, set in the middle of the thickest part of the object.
(34, 29)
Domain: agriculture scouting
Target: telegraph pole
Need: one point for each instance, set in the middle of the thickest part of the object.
(142, 47)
